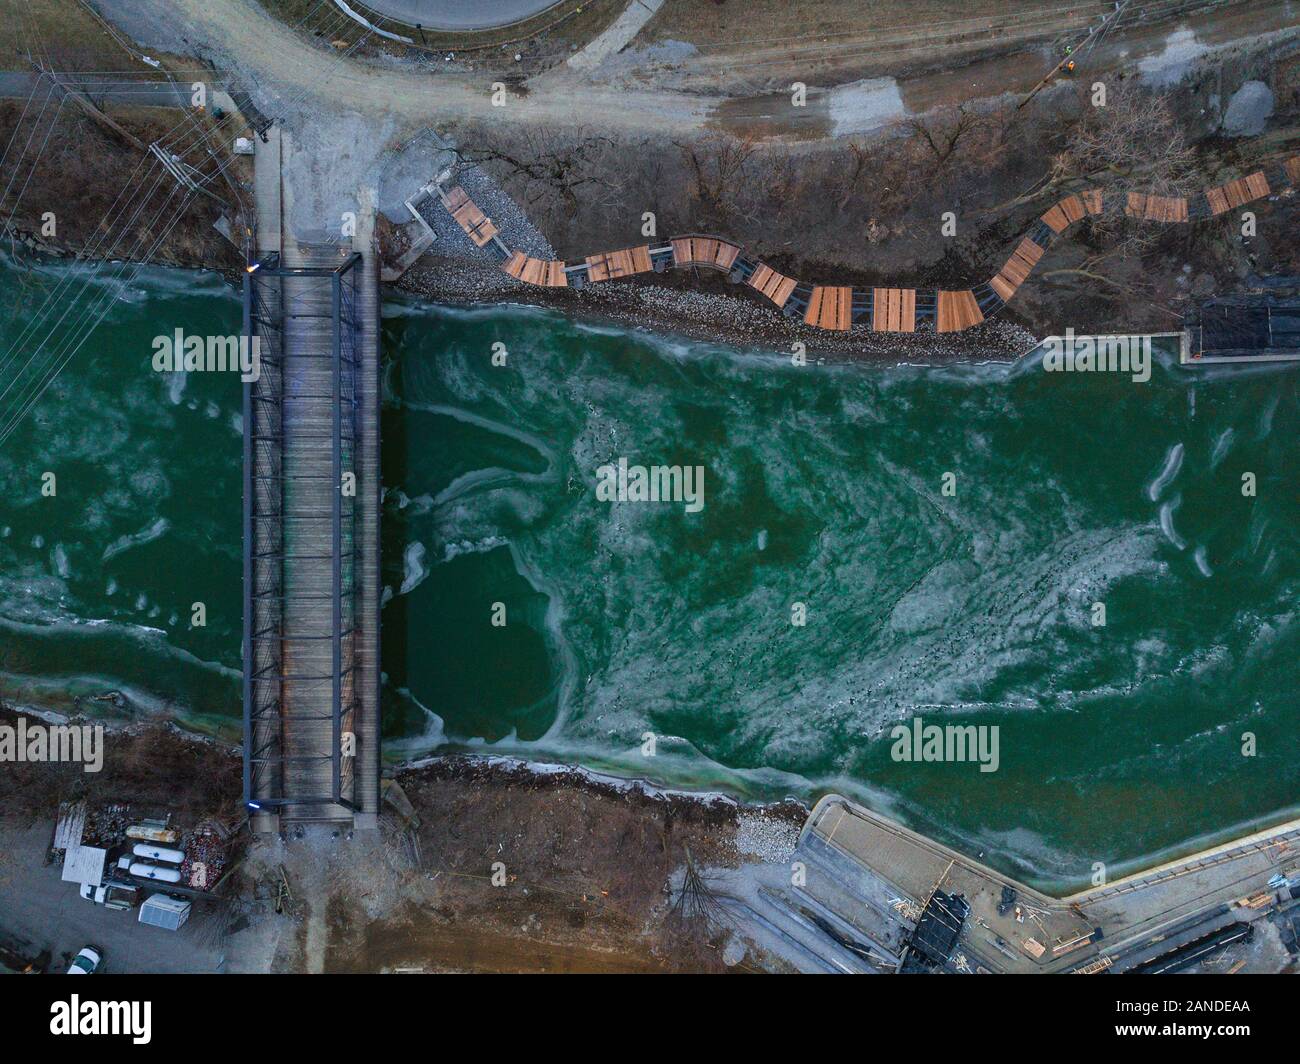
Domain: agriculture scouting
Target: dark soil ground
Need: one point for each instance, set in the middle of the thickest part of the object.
(586, 865)
(153, 764)
(582, 884)
(79, 172)
(866, 210)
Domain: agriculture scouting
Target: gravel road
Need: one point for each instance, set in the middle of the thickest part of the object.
(285, 68)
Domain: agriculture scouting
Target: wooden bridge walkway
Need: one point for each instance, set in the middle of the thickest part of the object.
(839, 307)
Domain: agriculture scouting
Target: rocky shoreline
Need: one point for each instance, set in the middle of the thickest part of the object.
(710, 310)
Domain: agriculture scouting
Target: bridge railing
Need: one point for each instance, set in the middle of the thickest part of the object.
(316, 768)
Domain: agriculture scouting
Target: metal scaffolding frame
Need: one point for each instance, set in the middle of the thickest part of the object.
(295, 560)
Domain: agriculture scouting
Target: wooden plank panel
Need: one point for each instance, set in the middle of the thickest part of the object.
(1217, 199)
(957, 311)
(1136, 206)
(538, 269)
(761, 278)
(597, 269)
(775, 286)
(1256, 185)
(780, 294)
(893, 309)
(1245, 189)
(548, 273)
(620, 263)
(1092, 200)
(881, 308)
(1017, 268)
(829, 307)
(478, 227)
(1167, 208)
(813, 314)
(609, 265)
(907, 310)
(1055, 219)
(1004, 288)
(1293, 169)
(703, 251)
(1072, 207)
(483, 230)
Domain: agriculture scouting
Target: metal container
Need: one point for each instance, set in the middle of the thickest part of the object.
(162, 873)
(151, 852)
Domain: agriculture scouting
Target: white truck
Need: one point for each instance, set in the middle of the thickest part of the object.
(118, 896)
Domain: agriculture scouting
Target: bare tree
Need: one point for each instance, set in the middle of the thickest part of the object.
(696, 905)
(717, 166)
(941, 132)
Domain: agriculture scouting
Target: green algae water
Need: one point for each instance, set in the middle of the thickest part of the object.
(631, 626)
(98, 580)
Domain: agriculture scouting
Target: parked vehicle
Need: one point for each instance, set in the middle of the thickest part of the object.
(119, 896)
(87, 962)
(162, 910)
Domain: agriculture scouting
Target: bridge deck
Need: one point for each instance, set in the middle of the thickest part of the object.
(312, 490)
(314, 662)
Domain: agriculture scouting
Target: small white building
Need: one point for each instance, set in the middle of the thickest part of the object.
(84, 864)
(159, 910)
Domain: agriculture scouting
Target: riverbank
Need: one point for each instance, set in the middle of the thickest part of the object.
(708, 309)
(491, 864)
(482, 865)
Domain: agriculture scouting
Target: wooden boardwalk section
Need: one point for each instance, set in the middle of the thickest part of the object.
(477, 225)
(614, 264)
(829, 308)
(837, 308)
(893, 310)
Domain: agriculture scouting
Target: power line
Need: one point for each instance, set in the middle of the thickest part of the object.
(59, 358)
(187, 119)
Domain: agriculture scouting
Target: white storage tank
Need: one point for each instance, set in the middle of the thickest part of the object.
(162, 873)
(151, 852)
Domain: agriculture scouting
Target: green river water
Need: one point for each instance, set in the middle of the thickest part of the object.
(822, 486)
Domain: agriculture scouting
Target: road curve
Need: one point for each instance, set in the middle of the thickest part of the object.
(252, 47)
(456, 15)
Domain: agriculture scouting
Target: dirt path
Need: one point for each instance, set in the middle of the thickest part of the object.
(250, 44)
(269, 54)
(428, 946)
(992, 50)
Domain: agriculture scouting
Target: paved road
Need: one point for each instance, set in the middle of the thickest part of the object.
(250, 46)
(457, 14)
